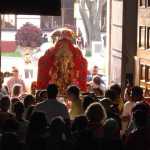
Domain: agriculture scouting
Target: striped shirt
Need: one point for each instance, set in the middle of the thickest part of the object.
(11, 82)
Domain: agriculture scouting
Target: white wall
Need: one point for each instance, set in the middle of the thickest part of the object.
(22, 19)
(8, 35)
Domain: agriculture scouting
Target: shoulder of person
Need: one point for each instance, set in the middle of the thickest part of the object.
(128, 103)
(41, 103)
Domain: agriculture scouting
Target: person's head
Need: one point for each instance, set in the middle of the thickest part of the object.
(15, 72)
(141, 113)
(44, 95)
(5, 103)
(18, 108)
(73, 92)
(97, 80)
(107, 104)
(38, 122)
(111, 128)
(17, 90)
(27, 58)
(95, 70)
(13, 101)
(137, 94)
(96, 113)
(58, 128)
(52, 90)
(80, 123)
(87, 101)
(29, 100)
(117, 89)
(111, 94)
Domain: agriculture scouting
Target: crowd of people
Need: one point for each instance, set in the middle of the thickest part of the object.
(101, 119)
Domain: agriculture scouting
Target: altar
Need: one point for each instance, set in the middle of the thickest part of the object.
(62, 64)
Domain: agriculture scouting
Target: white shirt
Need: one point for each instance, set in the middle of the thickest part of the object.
(127, 111)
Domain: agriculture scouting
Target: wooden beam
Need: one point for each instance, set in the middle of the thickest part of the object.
(31, 7)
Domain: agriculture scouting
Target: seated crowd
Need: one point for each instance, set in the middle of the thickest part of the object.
(101, 120)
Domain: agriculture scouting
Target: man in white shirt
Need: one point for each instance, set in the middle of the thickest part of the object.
(52, 107)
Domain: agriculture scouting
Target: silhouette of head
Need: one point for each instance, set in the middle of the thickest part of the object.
(52, 90)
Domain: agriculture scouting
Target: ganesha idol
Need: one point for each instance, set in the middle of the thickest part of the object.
(63, 64)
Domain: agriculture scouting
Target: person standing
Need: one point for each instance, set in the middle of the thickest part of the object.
(15, 79)
(52, 107)
(73, 94)
(28, 66)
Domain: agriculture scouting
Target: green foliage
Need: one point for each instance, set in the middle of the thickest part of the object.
(88, 53)
(11, 54)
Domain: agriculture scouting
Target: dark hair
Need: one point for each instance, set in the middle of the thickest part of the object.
(107, 104)
(137, 92)
(80, 123)
(43, 94)
(111, 128)
(5, 103)
(14, 100)
(38, 122)
(37, 96)
(96, 113)
(52, 90)
(141, 112)
(58, 128)
(111, 94)
(97, 80)
(73, 90)
(87, 101)
(28, 100)
(18, 108)
(16, 90)
(116, 88)
(142, 106)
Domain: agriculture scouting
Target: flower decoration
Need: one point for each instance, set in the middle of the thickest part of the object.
(63, 33)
